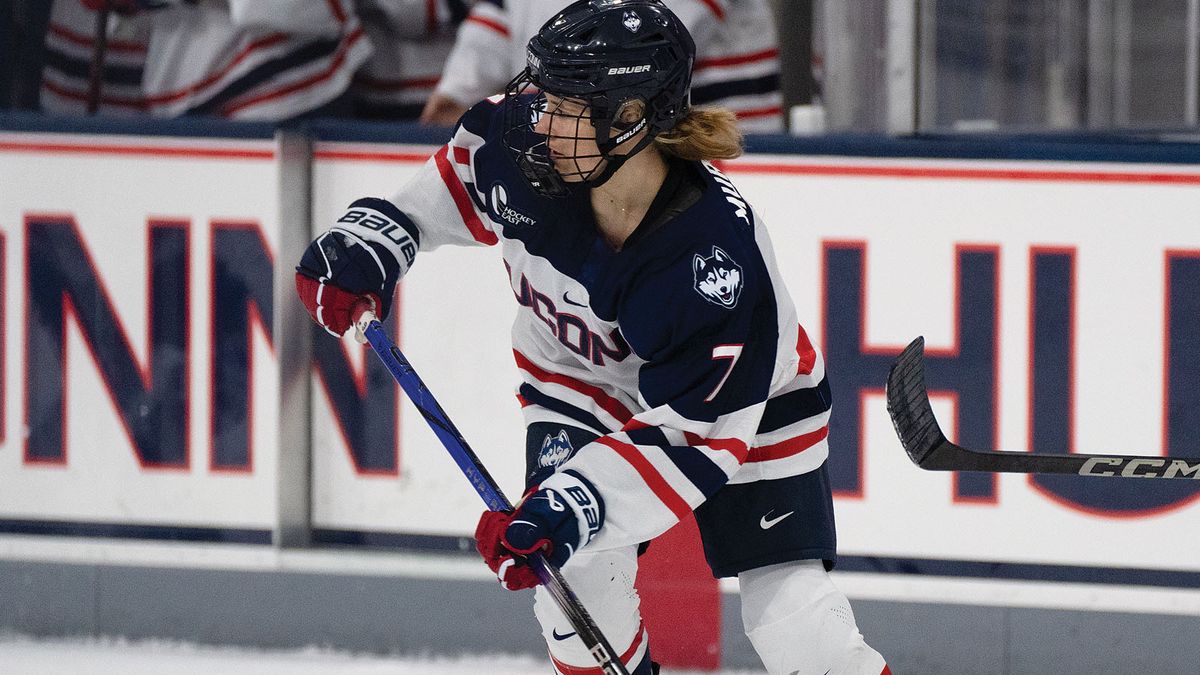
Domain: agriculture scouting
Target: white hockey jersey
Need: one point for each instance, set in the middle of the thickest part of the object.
(250, 59)
(737, 55)
(682, 349)
(412, 39)
(70, 43)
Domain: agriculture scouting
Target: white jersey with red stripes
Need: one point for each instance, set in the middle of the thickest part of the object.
(682, 349)
(70, 44)
(249, 59)
(737, 55)
(412, 39)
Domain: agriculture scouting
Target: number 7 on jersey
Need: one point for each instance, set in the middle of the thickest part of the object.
(731, 352)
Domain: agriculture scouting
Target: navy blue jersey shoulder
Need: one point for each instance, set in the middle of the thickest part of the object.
(697, 297)
(501, 190)
(685, 295)
(501, 187)
(562, 231)
(479, 118)
(700, 269)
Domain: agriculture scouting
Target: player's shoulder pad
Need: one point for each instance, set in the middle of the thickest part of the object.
(726, 206)
(483, 117)
(713, 282)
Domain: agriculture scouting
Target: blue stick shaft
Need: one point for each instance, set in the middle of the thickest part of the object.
(487, 488)
(428, 406)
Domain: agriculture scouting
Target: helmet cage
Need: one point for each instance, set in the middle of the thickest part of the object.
(604, 54)
(526, 105)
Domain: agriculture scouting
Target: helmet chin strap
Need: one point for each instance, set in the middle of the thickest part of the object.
(614, 162)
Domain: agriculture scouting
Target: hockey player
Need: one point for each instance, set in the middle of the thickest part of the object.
(70, 38)
(737, 59)
(412, 39)
(663, 367)
(248, 59)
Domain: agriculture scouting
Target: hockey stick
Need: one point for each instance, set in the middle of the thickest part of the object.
(368, 329)
(96, 68)
(928, 448)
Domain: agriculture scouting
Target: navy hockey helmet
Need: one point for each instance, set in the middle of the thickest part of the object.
(622, 65)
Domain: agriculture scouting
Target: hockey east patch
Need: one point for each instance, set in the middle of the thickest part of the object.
(718, 278)
(555, 450)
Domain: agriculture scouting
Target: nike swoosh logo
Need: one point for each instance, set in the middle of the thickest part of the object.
(569, 301)
(768, 524)
(554, 632)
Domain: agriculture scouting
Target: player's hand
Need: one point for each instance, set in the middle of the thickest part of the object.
(441, 111)
(359, 259)
(554, 521)
(336, 272)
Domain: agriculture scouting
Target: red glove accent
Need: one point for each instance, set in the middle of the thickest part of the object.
(511, 569)
(331, 307)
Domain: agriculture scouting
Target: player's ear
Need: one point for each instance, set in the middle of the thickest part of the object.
(629, 113)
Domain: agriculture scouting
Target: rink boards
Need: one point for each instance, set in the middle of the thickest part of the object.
(145, 331)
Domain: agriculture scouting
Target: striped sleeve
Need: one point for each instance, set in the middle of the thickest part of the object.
(481, 62)
(441, 200)
(67, 61)
(264, 61)
(737, 60)
(414, 19)
(711, 357)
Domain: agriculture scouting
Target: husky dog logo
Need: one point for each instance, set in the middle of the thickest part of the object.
(718, 278)
(632, 21)
(555, 450)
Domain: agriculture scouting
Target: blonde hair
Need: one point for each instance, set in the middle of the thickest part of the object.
(705, 133)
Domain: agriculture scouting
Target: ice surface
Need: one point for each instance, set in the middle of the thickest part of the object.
(24, 656)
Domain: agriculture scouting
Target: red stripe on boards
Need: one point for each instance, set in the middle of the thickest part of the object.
(137, 150)
(957, 173)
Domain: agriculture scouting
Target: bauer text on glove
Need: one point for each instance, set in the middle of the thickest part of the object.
(556, 518)
(361, 257)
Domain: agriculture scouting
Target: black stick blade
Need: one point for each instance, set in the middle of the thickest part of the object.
(908, 405)
(926, 445)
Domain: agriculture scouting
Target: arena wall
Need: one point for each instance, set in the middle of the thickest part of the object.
(173, 432)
